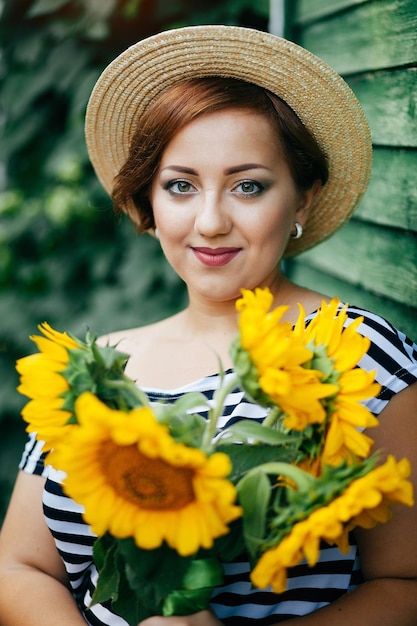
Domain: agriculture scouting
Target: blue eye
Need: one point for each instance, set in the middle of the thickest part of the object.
(249, 188)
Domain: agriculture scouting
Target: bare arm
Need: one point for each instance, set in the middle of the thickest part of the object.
(33, 582)
(388, 552)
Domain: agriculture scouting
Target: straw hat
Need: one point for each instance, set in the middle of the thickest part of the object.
(317, 94)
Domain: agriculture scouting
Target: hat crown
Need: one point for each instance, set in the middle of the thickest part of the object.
(315, 92)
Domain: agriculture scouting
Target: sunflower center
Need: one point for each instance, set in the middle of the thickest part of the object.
(152, 484)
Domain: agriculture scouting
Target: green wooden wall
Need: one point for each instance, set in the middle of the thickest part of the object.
(372, 261)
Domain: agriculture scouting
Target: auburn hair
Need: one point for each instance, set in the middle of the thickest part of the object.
(189, 100)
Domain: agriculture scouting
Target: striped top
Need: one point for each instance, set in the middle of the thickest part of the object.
(236, 603)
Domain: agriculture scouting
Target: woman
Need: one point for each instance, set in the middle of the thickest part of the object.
(235, 148)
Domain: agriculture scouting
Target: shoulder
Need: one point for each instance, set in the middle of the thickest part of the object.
(127, 340)
(391, 352)
(392, 355)
(382, 333)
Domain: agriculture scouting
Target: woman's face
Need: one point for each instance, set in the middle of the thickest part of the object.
(224, 204)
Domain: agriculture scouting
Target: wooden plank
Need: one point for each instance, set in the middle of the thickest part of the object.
(391, 198)
(373, 35)
(403, 317)
(306, 11)
(381, 260)
(389, 100)
(372, 262)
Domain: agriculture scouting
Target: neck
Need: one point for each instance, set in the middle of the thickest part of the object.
(201, 318)
(204, 316)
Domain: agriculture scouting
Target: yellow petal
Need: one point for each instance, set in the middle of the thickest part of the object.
(60, 338)
(156, 496)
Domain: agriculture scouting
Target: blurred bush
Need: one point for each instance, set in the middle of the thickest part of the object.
(64, 257)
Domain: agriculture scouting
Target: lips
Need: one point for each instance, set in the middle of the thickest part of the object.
(215, 257)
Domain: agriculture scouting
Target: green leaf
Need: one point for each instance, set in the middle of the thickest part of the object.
(244, 457)
(187, 402)
(129, 605)
(202, 575)
(184, 426)
(108, 564)
(186, 601)
(152, 574)
(109, 357)
(249, 430)
(254, 496)
(113, 584)
(189, 431)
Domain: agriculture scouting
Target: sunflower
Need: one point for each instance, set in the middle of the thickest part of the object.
(42, 381)
(53, 340)
(385, 485)
(134, 479)
(365, 502)
(340, 349)
(344, 439)
(272, 362)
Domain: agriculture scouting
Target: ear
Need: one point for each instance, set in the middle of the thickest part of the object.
(307, 199)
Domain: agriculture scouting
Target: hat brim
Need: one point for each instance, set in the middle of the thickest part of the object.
(316, 93)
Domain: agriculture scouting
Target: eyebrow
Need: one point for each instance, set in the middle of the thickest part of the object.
(230, 170)
(180, 169)
(245, 166)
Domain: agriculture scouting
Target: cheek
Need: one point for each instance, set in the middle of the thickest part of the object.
(275, 225)
(172, 228)
(166, 219)
(273, 233)
(171, 225)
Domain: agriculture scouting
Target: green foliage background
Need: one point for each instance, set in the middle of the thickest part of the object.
(64, 257)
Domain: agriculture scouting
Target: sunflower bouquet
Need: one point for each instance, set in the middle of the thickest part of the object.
(171, 496)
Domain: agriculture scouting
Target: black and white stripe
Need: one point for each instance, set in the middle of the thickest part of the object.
(236, 603)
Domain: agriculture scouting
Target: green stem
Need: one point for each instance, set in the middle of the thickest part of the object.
(304, 480)
(216, 412)
(273, 416)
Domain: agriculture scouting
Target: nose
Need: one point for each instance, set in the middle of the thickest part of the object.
(212, 217)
